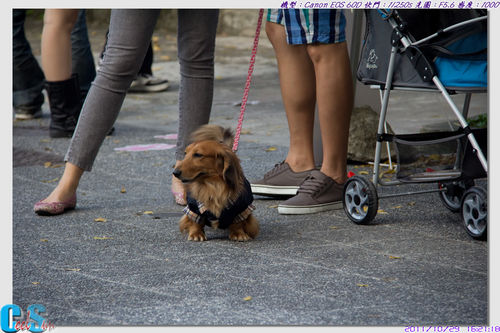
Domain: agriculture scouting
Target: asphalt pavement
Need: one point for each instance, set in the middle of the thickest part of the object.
(119, 259)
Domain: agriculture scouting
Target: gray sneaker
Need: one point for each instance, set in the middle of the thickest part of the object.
(281, 180)
(316, 194)
(148, 83)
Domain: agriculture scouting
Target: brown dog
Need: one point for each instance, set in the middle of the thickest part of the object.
(218, 193)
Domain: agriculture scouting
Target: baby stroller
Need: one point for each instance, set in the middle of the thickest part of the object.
(427, 50)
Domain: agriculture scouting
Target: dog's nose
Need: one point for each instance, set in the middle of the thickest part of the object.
(177, 173)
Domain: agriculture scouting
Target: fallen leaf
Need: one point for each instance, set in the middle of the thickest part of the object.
(273, 206)
(165, 58)
(102, 238)
(363, 172)
(156, 48)
(361, 285)
(100, 219)
(45, 140)
(72, 269)
(394, 257)
(44, 240)
(47, 164)
(123, 190)
(166, 259)
(50, 181)
(411, 203)
(381, 211)
(148, 212)
(116, 141)
(333, 227)
(246, 132)
(155, 39)
(248, 298)
(270, 149)
(35, 282)
(398, 206)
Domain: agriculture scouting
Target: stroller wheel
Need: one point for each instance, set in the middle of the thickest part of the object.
(360, 200)
(452, 196)
(474, 209)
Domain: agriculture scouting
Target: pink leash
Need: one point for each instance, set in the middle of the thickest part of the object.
(247, 85)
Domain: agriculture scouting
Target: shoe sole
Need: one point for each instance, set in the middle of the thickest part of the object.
(153, 88)
(22, 116)
(274, 190)
(46, 213)
(310, 209)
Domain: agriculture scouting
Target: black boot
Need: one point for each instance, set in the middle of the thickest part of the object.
(65, 105)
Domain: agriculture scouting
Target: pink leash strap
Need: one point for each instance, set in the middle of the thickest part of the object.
(247, 85)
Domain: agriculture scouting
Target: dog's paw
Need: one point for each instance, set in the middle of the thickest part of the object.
(197, 236)
(239, 236)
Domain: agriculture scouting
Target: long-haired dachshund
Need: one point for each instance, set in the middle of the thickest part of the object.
(218, 193)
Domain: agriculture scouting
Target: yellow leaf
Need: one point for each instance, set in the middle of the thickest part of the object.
(248, 298)
(411, 203)
(363, 172)
(155, 39)
(165, 58)
(398, 206)
(123, 190)
(102, 238)
(270, 149)
(72, 269)
(100, 219)
(381, 211)
(394, 257)
(273, 206)
(45, 140)
(47, 164)
(156, 48)
(333, 227)
(148, 212)
(50, 181)
(35, 282)
(44, 240)
(361, 285)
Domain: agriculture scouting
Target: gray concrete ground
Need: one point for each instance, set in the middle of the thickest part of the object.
(414, 265)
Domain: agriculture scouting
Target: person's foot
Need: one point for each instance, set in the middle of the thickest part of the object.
(178, 191)
(56, 203)
(280, 181)
(148, 83)
(316, 194)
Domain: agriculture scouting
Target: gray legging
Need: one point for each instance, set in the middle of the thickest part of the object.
(130, 32)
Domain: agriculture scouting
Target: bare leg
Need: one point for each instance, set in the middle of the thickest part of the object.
(335, 101)
(56, 43)
(67, 184)
(298, 92)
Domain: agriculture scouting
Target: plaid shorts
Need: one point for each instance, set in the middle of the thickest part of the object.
(308, 26)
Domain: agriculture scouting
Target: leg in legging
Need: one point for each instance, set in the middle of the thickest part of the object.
(196, 42)
(130, 33)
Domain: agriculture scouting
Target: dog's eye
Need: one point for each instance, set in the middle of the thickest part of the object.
(198, 155)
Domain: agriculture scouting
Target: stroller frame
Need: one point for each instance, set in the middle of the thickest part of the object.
(360, 196)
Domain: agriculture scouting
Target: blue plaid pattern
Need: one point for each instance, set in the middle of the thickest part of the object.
(309, 26)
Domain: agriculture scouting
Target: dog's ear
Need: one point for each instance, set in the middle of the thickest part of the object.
(232, 172)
